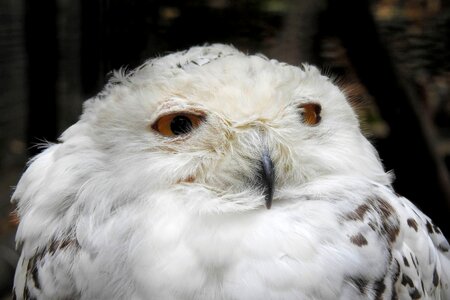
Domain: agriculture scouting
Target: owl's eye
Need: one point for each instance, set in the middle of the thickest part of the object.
(310, 113)
(177, 124)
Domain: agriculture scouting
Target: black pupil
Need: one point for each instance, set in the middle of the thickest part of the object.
(180, 125)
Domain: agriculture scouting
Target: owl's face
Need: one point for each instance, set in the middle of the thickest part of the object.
(215, 120)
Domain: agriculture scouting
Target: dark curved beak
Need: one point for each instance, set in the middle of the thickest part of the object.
(267, 177)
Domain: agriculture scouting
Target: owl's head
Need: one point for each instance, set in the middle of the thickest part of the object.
(215, 120)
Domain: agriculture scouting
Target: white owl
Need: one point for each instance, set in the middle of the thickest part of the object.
(212, 174)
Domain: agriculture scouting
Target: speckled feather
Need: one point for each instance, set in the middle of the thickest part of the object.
(116, 210)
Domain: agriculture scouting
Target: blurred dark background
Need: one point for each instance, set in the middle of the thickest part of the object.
(390, 56)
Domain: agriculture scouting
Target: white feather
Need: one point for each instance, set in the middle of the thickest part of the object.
(115, 210)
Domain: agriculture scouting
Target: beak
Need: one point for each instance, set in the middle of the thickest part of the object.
(267, 177)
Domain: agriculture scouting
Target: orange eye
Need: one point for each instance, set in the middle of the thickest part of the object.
(311, 113)
(177, 124)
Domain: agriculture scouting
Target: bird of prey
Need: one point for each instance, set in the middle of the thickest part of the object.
(213, 174)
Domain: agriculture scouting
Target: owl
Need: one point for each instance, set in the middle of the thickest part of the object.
(213, 174)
